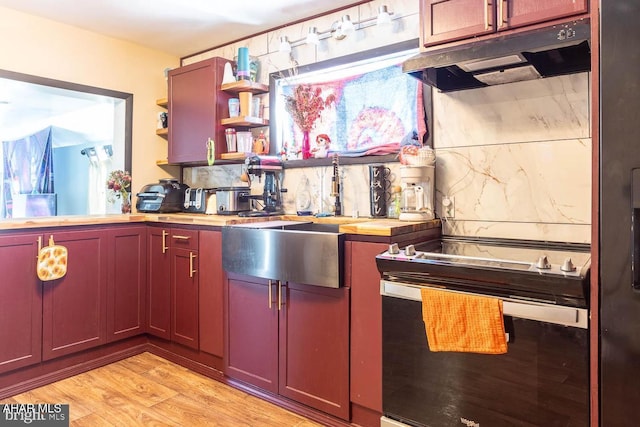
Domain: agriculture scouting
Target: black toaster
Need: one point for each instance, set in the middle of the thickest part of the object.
(197, 199)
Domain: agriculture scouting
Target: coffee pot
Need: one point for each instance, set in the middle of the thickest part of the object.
(417, 193)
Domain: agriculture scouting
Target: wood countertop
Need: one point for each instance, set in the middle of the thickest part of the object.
(364, 226)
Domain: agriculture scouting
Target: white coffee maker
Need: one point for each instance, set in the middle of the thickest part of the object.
(417, 193)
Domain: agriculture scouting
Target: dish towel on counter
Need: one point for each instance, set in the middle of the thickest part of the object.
(463, 323)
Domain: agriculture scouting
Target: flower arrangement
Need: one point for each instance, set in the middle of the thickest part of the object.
(306, 105)
(119, 186)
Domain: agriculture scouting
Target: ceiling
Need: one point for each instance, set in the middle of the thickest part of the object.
(178, 27)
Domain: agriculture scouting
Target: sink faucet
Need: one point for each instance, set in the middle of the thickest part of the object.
(335, 187)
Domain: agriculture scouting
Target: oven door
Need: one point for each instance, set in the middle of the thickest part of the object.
(541, 381)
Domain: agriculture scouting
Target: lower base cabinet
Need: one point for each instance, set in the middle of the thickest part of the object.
(366, 324)
(20, 302)
(290, 339)
(74, 306)
(127, 282)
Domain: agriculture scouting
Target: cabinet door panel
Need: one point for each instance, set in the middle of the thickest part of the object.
(74, 307)
(450, 20)
(366, 324)
(126, 303)
(314, 348)
(251, 333)
(184, 297)
(159, 283)
(196, 106)
(211, 285)
(525, 12)
(20, 303)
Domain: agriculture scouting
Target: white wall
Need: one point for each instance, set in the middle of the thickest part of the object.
(36, 46)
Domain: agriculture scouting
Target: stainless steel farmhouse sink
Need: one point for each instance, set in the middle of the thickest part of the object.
(302, 252)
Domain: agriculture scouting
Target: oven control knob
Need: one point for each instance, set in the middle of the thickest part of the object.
(410, 250)
(543, 263)
(568, 266)
(394, 249)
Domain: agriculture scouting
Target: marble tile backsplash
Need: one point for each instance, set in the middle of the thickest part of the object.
(516, 158)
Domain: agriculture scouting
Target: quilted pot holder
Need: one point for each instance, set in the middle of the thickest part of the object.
(52, 261)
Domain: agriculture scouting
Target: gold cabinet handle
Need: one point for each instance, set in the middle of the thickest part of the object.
(179, 237)
(192, 256)
(279, 295)
(270, 294)
(501, 19)
(39, 247)
(487, 4)
(165, 248)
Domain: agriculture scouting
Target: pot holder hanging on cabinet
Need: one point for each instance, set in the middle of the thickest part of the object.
(52, 261)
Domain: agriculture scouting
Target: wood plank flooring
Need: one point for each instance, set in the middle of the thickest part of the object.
(146, 390)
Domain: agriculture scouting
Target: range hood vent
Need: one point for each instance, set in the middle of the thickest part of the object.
(551, 51)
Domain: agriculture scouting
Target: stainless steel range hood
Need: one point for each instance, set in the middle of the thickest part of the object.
(546, 52)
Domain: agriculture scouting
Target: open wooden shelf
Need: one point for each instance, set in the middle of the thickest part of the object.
(162, 102)
(245, 86)
(164, 132)
(245, 121)
(234, 156)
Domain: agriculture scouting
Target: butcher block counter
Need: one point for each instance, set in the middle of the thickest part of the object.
(358, 226)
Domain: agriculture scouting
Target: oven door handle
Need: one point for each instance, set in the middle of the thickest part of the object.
(560, 315)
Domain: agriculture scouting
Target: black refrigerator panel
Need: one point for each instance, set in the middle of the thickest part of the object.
(619, 156)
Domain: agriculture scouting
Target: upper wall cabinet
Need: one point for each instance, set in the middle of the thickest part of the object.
(449, 20)
(196, 107)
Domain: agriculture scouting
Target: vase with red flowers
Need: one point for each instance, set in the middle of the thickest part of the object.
(305, 106)
(119, 187)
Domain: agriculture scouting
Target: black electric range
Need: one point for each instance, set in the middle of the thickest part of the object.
(550, 272)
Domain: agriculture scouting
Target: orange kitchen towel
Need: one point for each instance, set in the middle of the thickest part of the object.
(465, 323)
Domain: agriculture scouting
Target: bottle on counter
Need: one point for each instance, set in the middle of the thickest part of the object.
(393, 211)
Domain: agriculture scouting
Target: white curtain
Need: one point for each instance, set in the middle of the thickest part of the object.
(100, 164)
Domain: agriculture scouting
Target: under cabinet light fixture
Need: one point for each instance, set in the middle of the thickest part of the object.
(339, 30)
(384, 17)
(313, 37)
(285, 46)
(346, 25)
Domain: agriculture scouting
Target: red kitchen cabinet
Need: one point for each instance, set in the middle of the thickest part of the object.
(127, 282)
(159, 282)
(173, 285)
(290, 339)
(20, 302)
(314, 347)
(184, 287)
(210, 288)
(196, 108)
(251, 332)
(74, 306)
(448, 20)
(366, 324)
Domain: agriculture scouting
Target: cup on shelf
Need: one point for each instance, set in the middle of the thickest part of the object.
(256, 107)
(234, 107)
(246, 100)
(232, 141)
(245, 141)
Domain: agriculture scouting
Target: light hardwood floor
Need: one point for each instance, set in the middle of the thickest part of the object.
(146, 390)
